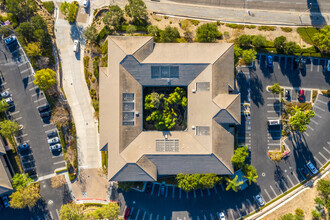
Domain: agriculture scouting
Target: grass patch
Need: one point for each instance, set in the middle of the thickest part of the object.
(15, 162)
(307, 33)
(49, 6)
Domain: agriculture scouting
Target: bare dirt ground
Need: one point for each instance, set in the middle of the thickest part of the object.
(304, 201)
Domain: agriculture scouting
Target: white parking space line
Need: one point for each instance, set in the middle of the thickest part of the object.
(302, 175)
(46, 125)
(158, 191)
(63, 161)
(166, 188)
(322, 102)
(287, 176)
(240, 216)
(279, 188)
(245, 209)
(40, 94)
(35, 87)
(180, 194)
(24, 71)
(311, 64)
(24, 135)
(58, 215)
(132, 211)
(210, 216)
(306, 134)
(326, 150)
(187, 195)
(285, 185)
(270, 198)
(137, 215)
(22, 64)
(215, 189)
(38, 100)
(208, 191)
(277, 98)
(274, 104)
(232, 214)
(294, 174)
(164, 217)
(318, 65)
(144, 214)
(250, 204)
(55, 156)
(195, 194)
(222, 187)
(30, 82)
(157, 217)
(317, 160)
(315, 106)
(201, 192)
(14, 113)
(150, 218)
(326, 159)
(286, 59)
(19, 118)
(173, 192)
(314, 121)
(310, 127)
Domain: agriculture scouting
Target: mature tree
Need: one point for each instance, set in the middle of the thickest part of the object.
(239, 156)
(91, 33)
(279, 43)
(177, 97)
(45, 78)
(33, 49)
(276, 88)
(237, 53)
(136, 9)
(109, 211)
(71, 211)
(26, 30)
(288, 216)
(322, 39)
(250, 173)
(209, 180)
(21, 9)
(3, 105)
(188, 36)
(41, 36)
(69, 10)
(244, 40)
(38, 22)
(316, 214)
(8, 128)
(208, 32)
(301, 119)
(153, 100)
(233, 184)
(153, 30)
(320, 202)
(25, 196)
(21, 181)
(130, 29)
(258, 41)
(324, 187)
(188, 182)
(249, 56)
(289, 48)
(170, 34)
(114, 17)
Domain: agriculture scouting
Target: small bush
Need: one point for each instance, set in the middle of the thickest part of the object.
(185, 24)
(165, 17)
(195, 22)
(218, 23)
(275, 88)
(104, 47)
(286, 29)
(266, 28)
(96, 67)
(236, 26)
(49, 6)
(299, 212)
(158, 19)
(103, 33)
(250, 26)
(95, 103)
(93, 79)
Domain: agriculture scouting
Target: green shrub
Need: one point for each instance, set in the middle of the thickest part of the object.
(72, 177)
(93, 79)
(250, 26)
(96, 67)
(93, 204)
(49, 6)
(103, 33)
(166, 17)
(275, 88)
(307, 33)
(195, 22)
(286, 29)
(244, 40)
(299, 212)
(104, 47)
(95, 103)
(266, 28)
(236, 26)
(208, 32)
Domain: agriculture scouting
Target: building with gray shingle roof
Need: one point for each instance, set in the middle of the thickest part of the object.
(206, 146)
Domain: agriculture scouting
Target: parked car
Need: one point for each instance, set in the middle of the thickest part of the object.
(85, 3)
(222, 216)
(5, 94)
(302, 63)
(148, 187)
(23, 146)
(304, 172)
(9, 100)
(162, 190)
(53, 140)
(45, 114)
(311, 167)
(269, 61)
(274, 122)
(301, 95)
(10, 40)
(287, 94)
(55, 147)
(52, 134)
(260, 200)
(127, 213)
(328, 66)
(5, 201)
(43, 108)
(75, 46)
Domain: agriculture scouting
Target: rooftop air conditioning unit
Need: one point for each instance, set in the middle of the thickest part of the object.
(193, 90)
(137, 114)
(193, 127)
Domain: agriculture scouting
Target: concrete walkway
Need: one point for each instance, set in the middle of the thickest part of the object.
(77, 94)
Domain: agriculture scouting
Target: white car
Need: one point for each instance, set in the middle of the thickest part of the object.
(75, 46)
(312, 168)
(260, 200)
(54, 147)
(328, 66)
(222, 216)
(5, 94)
(5, 201)
(85, 3)
(53, 140)
(9, 100)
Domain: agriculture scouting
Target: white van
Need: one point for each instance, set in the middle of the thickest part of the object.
(75, 46)
(274, 122)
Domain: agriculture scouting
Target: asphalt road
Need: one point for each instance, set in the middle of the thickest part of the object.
(17, 78)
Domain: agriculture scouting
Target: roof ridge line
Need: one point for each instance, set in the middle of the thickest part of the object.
(221, 161)
(223, 54)
(237, 95)
(141, 48)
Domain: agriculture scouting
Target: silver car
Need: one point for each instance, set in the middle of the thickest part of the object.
(9, 100)
(75, 46)
(5, 94)
(260, 200)
(53, 140)
(54, 147)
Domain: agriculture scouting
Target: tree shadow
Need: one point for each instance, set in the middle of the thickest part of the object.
(76, 33)
(291, 74)
(256, 90)
(243, 86)
(325, 72)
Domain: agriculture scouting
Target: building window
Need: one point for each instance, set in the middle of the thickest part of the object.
(164, 72)
(128, 109)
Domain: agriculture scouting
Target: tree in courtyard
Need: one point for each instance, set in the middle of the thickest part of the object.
(275, 88)
(3, 105)
(289, 48)
(153, 30)
(109, 211)
(8, 128)
(301, 119)
(177, 97)
(209, 180)
(137, 10)
(90, 33)
(25, 196)
(244, 40)
(322, 39)
(130, 29)
(279, 43)
(170, 34)
(208, 32)
(69, 10)
(45, 78)
(114, 17)
(250, 173)
(249, 56)
(239, 157)
(21, 181)
(33, 49)
(258, 41)
(153, 100)
(71, 211)
(233, 184)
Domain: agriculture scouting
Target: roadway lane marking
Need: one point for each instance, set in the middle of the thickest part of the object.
(144, 214)
(173, 192)
(180, 194)
(194, 194)
(315, 106)
(215, 189)
(326, 150)
(314, 121)
(290, 180)
(270, 198)
(326, 159)
(317, 160)
(208, 191)
(240, 216)
(232, 214)
(294, 174)
(201, 192)
(137, 215)
(63, 161)
(310, 127)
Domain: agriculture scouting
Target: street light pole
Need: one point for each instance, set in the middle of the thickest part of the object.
(308, 9)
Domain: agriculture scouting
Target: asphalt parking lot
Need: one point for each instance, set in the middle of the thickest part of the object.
(17, 78)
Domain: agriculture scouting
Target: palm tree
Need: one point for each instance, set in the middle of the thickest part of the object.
(252, 177)
(233, 184)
